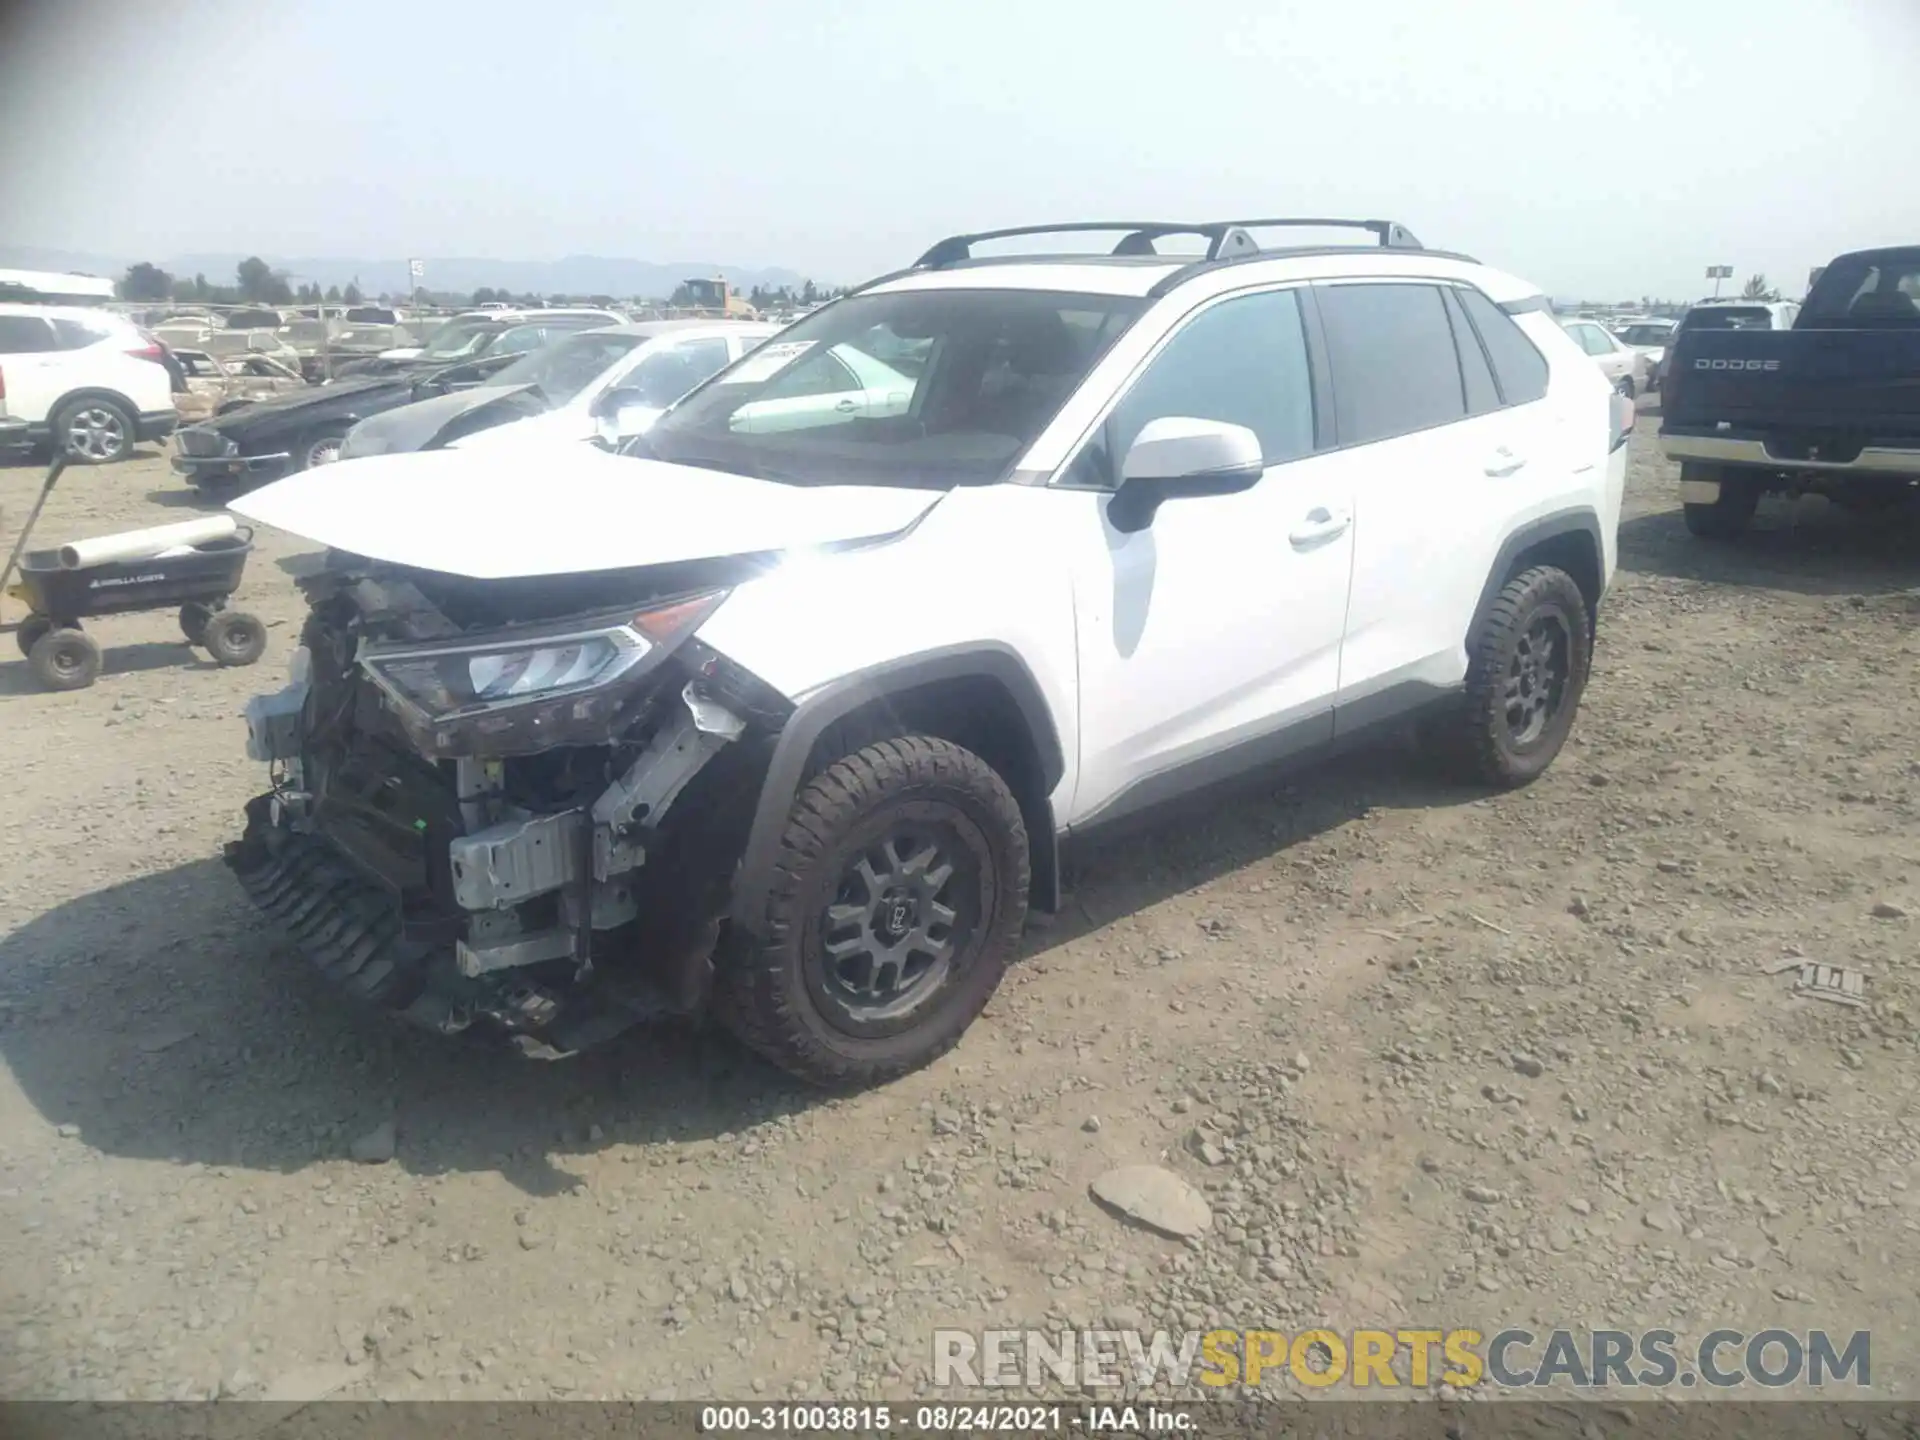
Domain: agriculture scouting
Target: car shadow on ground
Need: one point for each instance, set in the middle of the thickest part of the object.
(162, 1021)
(17, 679)
(186, 498)
(1808, 547)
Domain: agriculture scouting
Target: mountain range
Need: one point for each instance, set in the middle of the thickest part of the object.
(569, 275)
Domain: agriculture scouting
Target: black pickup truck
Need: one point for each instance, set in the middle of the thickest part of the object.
(1832, 405)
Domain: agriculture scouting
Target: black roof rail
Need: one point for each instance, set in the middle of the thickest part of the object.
(1226, 239)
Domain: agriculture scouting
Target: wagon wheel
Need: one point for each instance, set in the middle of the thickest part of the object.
(30, 631)
(64, 659)
(233, 637)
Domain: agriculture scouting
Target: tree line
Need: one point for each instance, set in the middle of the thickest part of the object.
(257, 283)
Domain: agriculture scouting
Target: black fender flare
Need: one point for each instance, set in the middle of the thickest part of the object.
(834, 701)
(1580, 520)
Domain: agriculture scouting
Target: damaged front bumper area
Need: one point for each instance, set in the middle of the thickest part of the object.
(527, 828)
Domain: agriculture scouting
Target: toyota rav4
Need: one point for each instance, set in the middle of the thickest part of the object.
(787, 709)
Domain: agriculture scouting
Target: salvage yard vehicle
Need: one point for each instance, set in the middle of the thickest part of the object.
(563, 319)
(87, 381)
(1649, 337)
(216, 386)
(1831, 406)
(633, 372)
(297, 431)
(1623, 366)
(791, 721)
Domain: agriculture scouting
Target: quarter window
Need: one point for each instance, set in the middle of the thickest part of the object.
(1520, 369)
(1475, 373)
(1242, 361)
(1395, 369)
(26, 335)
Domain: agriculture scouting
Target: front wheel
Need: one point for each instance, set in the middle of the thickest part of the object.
(897, 901)
(321, 448)
(1526, 671)
(233, 637)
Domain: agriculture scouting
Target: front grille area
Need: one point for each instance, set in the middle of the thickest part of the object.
(204, 444)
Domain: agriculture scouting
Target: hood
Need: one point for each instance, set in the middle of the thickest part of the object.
(312, 394)
(568, 424)
(569, 510)
(414, 426)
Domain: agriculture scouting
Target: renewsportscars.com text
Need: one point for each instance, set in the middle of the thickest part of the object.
(1513, 1358)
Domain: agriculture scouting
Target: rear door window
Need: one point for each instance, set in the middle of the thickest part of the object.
(26, 335)
(1395, 369)
(1520, 369)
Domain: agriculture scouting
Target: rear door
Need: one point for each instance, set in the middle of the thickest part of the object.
(1438, 455)
(31, 357)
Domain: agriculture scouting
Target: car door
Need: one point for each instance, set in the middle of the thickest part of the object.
(1210, 639)
(35, 366)
(1435, 453)
(817, 391)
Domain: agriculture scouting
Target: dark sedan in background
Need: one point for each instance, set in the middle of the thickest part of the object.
(271, 438)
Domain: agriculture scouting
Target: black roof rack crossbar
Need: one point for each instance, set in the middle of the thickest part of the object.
(1225, 238)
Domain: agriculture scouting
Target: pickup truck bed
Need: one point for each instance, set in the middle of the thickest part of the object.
(1832, 405)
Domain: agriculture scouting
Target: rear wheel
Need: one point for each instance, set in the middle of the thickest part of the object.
(1525, 674)
(65, 659)
(898, 898)
(1727, 516)
(94, 430)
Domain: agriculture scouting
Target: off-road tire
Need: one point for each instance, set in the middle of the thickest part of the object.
(233, 637)
(65, 659)
(30, 631)
(1730, 515)
(1478, 738)
(762, 990)
(114, 436)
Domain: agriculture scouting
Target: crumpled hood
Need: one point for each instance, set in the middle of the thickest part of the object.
(308, 395)
(413, 426)
(571, 510)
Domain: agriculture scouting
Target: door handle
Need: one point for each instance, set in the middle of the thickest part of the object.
(1320, 524)
(847, 407)
(1504, 462)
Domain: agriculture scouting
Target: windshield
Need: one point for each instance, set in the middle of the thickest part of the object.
(566, 367)
(460, 338)
(1730, 317)
(921, 387)
(1647, 334)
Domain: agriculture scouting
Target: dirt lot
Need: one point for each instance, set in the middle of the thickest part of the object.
(1436, 1058)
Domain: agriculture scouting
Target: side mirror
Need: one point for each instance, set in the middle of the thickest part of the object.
(1180, 457)
(609, 403)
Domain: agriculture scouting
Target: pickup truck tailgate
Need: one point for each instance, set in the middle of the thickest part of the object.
(1861, 380)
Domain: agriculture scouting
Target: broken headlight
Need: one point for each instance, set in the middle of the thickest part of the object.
(532, 687)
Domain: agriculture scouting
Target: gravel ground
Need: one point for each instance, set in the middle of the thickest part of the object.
(1433, 1057)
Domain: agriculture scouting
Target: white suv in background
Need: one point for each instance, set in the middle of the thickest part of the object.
(87, 381)
(786, 709)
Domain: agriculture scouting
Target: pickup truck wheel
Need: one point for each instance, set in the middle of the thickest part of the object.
(1526, 672)
(1724, 518)
(93, 430)
(898, 898)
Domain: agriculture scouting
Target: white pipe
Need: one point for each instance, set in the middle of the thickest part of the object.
(144, 544)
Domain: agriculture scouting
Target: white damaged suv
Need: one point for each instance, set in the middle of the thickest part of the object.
(787, 710)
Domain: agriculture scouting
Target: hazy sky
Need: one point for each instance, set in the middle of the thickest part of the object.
(1606, 148)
